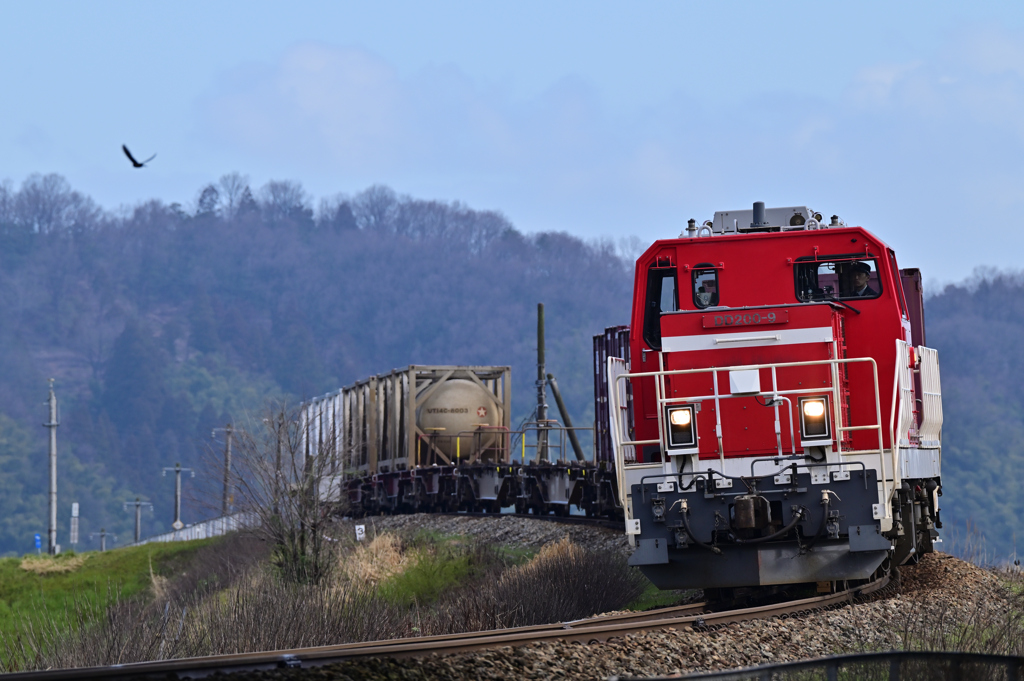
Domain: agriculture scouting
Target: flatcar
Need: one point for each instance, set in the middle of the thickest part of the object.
(778, 420)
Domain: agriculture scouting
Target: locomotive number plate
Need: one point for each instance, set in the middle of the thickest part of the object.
(758, 318)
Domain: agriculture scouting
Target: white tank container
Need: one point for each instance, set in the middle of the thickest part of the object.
(457, 409)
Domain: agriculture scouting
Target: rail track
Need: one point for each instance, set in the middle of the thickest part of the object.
(590, 630)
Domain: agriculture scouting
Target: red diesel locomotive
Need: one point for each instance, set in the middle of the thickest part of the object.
(779, 419)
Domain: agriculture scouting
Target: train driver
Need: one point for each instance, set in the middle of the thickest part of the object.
(861, 277)
(706, 294)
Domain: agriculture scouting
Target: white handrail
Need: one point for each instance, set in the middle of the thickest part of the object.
(619, 440)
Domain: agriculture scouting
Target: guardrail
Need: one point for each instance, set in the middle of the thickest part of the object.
(208, 528)
(888, 666)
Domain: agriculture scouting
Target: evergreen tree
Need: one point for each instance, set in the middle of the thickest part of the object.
(134, 391)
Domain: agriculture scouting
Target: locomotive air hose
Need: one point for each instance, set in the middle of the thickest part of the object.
(797, 517)
(824, 522)
(686, 524)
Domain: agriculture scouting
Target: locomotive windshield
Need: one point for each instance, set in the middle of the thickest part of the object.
(837, 279)
(705, 287)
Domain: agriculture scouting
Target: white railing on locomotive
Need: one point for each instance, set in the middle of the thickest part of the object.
(903, 420)
(774, 393)
(716, 396)
(623, 414)
(549, 427)
(931, 398)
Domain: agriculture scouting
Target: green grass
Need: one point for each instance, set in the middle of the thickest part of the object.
(427, 578)
(440, 565)
(27, 595)
(442, 562)
(653, 597)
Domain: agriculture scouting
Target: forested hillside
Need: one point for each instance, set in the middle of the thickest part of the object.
(161, 323)
(978, 328)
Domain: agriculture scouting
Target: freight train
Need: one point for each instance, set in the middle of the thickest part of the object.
(439, 439)
(770, 416)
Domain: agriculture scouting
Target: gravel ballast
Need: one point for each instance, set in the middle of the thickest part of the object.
(939, 589)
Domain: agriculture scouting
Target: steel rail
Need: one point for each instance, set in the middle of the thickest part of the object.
(590, 630)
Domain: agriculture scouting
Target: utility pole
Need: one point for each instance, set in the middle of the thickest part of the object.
(52, 547)
(225, 506)
(278, 424)
(177, 470)
(138, 515)
(102, 534)
(542, 405)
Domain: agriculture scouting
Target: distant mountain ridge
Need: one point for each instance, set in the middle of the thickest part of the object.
(163, 323)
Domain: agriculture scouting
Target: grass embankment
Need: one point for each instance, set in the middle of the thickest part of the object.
(32, 588)
(226, 596)
(422, 569)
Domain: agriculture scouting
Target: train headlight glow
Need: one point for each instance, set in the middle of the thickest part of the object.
(682, 433)
(680, 417)
(814, 418)
(814, 408)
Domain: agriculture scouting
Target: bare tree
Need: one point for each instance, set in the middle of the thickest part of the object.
(233, 186)
(46, 203)
(285, 200)
(281, 478)
(6, 204)
(375, 208)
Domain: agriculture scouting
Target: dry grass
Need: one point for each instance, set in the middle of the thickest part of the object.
(550, 556)
(159, 584)
(48, 565)
(990, 620)
(375, 561)
(566, 582)
(260, 611)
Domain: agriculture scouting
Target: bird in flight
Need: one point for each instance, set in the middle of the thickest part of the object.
(136, 164)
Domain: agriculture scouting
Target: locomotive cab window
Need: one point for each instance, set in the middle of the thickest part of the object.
(662, 296)
(846, 279)
(705, 286)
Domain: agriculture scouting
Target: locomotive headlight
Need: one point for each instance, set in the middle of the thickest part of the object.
(681, 431)
(680, 417)
(814, 408)
(814, 418)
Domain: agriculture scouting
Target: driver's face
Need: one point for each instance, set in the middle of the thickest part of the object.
(860, 279)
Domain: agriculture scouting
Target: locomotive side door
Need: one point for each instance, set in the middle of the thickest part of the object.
(661, 296)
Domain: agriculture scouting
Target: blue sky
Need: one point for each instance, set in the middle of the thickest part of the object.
(601, 119)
